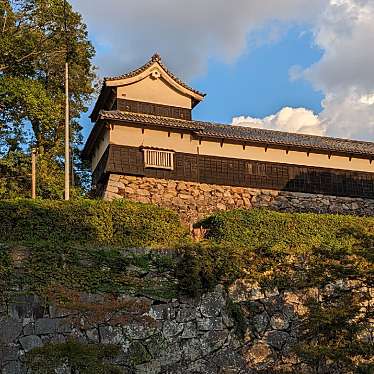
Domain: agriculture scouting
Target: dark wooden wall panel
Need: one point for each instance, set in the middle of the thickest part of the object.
(154, 109)
(101, 167)
(245, 173)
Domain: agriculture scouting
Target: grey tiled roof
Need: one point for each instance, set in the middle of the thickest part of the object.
(155, 58)
(248, 134)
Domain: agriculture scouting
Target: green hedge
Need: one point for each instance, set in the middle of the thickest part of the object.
(287, 232)
(122, 223)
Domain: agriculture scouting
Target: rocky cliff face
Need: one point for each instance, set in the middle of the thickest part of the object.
(240, 330)
(194, 201)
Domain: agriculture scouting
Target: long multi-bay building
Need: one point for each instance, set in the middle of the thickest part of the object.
(144, 136)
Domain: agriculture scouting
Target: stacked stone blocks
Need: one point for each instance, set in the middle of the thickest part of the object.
(194, 201)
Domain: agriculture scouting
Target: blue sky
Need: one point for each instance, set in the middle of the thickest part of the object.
(257, 86)
(290, 65)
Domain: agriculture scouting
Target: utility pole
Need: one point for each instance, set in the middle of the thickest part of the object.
(72, 181)
(67, 119)
(33, 173)
(67, 134)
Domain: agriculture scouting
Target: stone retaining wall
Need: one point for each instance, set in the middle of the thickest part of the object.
(176, 336)
(193, 201)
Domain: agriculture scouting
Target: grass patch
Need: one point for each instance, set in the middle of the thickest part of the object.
(111, 270)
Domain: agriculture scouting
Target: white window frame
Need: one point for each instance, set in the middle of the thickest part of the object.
(158, 159)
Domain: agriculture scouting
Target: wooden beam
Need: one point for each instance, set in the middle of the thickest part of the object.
(109, 126)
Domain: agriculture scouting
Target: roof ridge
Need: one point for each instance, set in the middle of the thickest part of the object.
(249, 134)
(155, 58)
(303, 134)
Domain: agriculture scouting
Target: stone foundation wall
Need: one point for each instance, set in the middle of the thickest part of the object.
(194, 201)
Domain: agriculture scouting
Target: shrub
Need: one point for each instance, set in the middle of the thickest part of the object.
(284, 250)
(338, 330)
(287, 232)
(202, 266)
(123, 223)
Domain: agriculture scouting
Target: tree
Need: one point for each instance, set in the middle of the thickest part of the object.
(36, 38)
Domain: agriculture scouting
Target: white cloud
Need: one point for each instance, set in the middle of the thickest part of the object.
(345, 32)
(185, 33)
(298, 120)
(367, 99)
(349, 115)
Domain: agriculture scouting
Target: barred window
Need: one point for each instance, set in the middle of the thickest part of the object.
(261, 170)
(154, 158)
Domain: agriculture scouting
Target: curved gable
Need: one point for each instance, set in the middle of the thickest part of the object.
(153, 84)
(155, 70)
(156, 91)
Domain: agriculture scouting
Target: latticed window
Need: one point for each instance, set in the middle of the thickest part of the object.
(154, 158)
